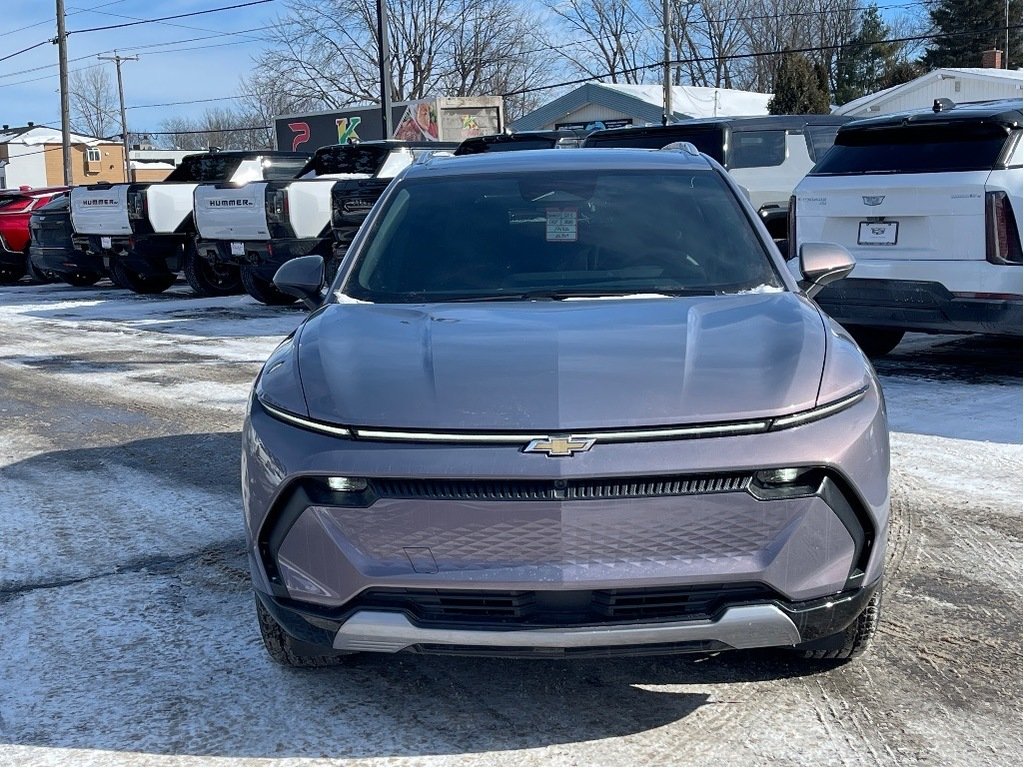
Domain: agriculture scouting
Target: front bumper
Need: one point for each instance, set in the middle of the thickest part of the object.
(738, 625)
(265, 256)
(605, 521)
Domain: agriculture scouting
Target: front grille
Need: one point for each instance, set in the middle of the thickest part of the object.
(560, 490)
(559, 608)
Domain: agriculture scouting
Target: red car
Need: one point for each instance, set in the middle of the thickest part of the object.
(16, 206)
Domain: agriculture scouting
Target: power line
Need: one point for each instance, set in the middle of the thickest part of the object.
(23, 50)
(177, 26)
(189, 101)
(167, 18)
(50, 21)
(132, 48)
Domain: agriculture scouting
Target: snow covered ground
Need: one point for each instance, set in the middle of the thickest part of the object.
(129, 634)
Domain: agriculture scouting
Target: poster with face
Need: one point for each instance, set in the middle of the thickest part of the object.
(419, 122)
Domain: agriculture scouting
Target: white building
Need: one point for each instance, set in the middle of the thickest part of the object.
(958, 84)
(613, 105)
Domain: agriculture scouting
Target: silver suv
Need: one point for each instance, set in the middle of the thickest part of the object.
(565, 403)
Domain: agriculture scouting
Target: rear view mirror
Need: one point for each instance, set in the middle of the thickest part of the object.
(821, 264)
(303, 278)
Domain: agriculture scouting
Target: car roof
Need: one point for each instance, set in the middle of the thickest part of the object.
(246, 154)
(567, 160)
(751, 123)
(1005, 112)
(389, 144)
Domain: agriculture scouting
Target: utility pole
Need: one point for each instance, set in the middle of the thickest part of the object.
(385, 65)
(128, 175)
(65, 103)
(666, 74)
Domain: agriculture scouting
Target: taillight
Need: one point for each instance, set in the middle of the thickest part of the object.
(791, 228)
(137, 208)
(277, 203)
(1002, 238)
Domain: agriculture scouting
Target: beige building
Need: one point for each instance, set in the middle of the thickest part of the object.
(31, 156)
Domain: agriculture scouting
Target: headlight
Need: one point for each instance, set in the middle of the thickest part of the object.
(302, 421)
(818, 412)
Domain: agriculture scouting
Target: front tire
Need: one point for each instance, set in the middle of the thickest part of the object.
(263, 290)
(289, 652)
(144, 284)
(875, 341)
(209, 279)
(852, 641)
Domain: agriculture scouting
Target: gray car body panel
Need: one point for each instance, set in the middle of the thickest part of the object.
(523, 367)
(562, 365)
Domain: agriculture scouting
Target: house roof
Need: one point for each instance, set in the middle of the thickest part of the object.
(977, 73)
(645, 103)
(34, 135)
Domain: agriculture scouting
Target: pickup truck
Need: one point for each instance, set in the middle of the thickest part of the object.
(143, 233)
(260, 226)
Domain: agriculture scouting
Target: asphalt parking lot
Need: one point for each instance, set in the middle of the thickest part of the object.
(129, 631)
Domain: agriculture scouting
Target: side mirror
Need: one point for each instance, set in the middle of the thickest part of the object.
(302, 277)
(821, 264)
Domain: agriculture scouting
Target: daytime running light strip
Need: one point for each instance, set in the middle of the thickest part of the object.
(621, 436)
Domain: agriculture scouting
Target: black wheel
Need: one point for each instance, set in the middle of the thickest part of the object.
(875, 341)
(10, 275)
(133, 281)
(209, 279)
(263, 290)
(286, 650)
(852, 641)
(79, 279)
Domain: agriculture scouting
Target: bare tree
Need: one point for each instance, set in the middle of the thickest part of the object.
(263, 98)
(605, 39)
(94, 107)
(221, 127)
(326, 51)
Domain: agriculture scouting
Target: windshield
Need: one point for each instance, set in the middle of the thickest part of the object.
(709, 140)
(558, 235)
(954, 146)
(205, 168)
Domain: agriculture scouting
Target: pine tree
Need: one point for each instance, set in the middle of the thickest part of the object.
(798, 88)
(985, 19)
(865, 61)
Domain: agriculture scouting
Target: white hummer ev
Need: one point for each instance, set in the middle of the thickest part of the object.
(144, 232)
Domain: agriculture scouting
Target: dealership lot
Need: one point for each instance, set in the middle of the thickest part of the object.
(129, 631)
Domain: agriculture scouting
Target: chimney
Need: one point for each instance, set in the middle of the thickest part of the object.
(992, 59)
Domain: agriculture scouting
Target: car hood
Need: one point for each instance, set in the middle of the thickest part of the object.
(565, 365)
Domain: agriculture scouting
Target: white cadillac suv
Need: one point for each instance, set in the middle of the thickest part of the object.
(929, 203)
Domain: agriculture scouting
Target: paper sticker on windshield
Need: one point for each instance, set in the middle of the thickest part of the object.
(562, 226)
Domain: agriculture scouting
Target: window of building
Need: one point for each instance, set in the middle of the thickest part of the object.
(93, 155)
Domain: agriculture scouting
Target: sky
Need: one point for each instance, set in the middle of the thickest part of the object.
(174, 65)
(164, 72)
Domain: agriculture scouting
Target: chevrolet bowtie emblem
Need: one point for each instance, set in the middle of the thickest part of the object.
(559, 446)
(873, 199)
